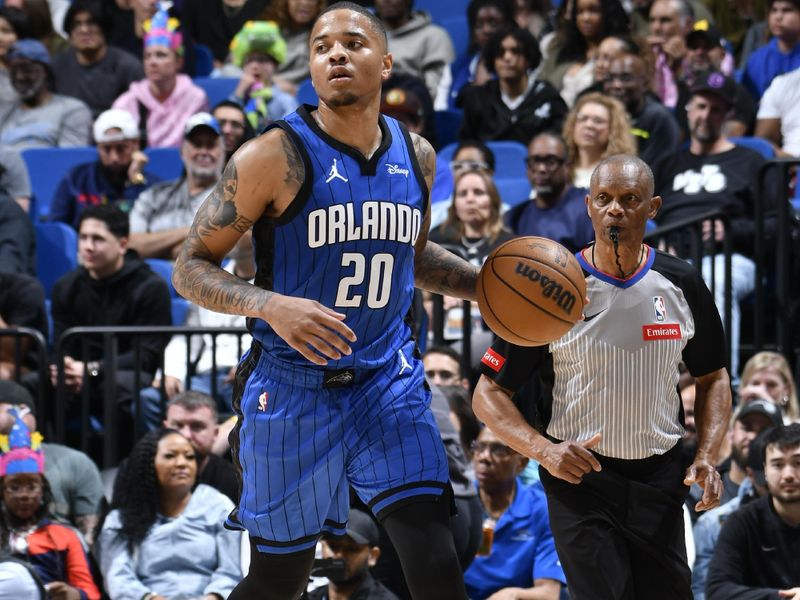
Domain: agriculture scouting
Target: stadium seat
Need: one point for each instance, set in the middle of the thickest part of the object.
(56, 252)
(513, 190)
(203, 60)
(217, 89)
(180, 306)
(306, 94)
(162, 267)
(47, 167)
(509, 158)
(456, 26)
(448, 122)
(165, 163)
(758, 144)
(440, 10)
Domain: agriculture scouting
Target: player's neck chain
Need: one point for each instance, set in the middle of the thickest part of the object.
(622, 274)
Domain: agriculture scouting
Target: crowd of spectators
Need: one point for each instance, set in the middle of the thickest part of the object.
(687, 85)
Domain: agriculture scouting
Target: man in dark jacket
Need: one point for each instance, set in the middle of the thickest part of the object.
(515, 106)
(758, 552)
(111, 288)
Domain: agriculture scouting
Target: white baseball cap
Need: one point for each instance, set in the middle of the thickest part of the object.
(115, 118)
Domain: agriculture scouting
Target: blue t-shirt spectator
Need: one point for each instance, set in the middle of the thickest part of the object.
(566, 222)
(765, 64)
(89, 185)
(522, 550)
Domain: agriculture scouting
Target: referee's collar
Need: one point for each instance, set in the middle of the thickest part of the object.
(616, 281)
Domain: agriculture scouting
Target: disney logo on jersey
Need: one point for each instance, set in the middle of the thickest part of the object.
(379, 220)
(396, 170)
(552, 289)
(660, 308)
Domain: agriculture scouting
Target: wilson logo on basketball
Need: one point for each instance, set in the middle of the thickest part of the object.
(493, 360)
(670, 331)
(551, 288)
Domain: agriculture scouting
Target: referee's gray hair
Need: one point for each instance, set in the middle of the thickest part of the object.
(624, 160)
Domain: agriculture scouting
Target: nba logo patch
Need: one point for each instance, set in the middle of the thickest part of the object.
(262, 401)
(660, 308)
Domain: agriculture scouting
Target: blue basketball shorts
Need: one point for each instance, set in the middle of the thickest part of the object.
(305, 435)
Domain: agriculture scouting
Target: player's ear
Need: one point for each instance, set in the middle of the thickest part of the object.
(655, 206)
(388, 61)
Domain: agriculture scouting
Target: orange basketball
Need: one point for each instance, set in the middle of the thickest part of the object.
(531, 291)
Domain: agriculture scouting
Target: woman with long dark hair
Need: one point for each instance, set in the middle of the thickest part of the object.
(13, 27)
(163, 538)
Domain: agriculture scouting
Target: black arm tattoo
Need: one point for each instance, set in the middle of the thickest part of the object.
(295, 173)
(442, 272)
(426, 157)
(198, 276)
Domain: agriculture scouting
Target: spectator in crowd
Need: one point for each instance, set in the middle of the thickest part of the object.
(609, 49)
(670, 23)
(214, 23)
(17, 238)
(768, 375)
(461, 415)
(779, 114)
(533, 15)
(557, 209)
(194, 415)
(708, 526)
(517, 557)
(653, 125)
(404, 105)
(110, 288)
(358, 550)
(256, 51)
(515, 106)
(14, 181)
(13, 27)
(713, 173)
(40, 118)
(117, 176)
(90, 69)
(42, 26)
(21, 305)
(419, 47)
(414, 86)
(569, 65)
(161, 216)
(485, 18)
(203, 352)
(756, 554)
(781, 54)
(163, 101)
(295, 18)
(163, 540)
(597, 127)
(233, 124)
(27, 530)
(443, 367)
(75, 483)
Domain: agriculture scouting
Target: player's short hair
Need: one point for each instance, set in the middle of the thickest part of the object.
(374, 21)
(627, 159)
(192, 400)
(111, 215)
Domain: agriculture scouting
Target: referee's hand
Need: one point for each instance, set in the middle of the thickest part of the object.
(570, 461)
(706, 476)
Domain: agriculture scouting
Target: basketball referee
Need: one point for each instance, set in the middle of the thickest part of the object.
(606, 427)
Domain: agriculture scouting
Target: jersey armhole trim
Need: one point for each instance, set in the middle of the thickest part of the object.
(423, 185)
(300, 199)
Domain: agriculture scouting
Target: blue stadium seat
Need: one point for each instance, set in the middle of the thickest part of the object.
(166, 163)
(47, 167)
(203, 60)
(758, 144)
(458, 29)
(306, 94)
(442, 9)
(509, 158)
(162, 267)
(180, 306)
(217, 89)
(448, 122)
(56, 252)
(513, 190)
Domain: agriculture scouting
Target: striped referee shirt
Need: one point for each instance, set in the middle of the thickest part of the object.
(617, 371)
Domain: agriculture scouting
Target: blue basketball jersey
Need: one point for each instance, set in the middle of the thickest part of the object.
(347, 239)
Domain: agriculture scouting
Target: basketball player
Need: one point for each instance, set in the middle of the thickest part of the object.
(609, 425)
(332, 393)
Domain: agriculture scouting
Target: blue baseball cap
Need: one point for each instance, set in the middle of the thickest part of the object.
(30, 49)
(201, 119)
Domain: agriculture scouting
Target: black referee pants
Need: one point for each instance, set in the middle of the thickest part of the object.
(619, 533)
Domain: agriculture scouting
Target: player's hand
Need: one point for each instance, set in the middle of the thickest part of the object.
(570, 461)
(792, 594)
(315, 331)
(706, 476)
